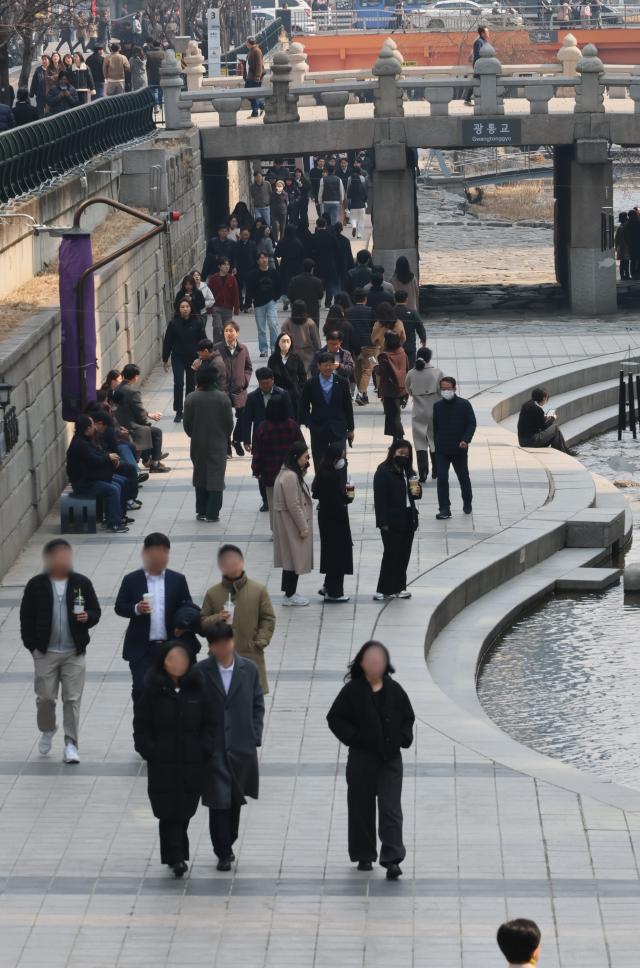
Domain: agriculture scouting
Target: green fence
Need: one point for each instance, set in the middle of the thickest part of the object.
(33, 154)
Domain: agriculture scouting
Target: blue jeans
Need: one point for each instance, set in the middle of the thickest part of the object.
(264, 214)
(256, 103)
(157, 94)
(268, 325)
(114, 497)
(99, 86)
(332, 211)
(127, 454)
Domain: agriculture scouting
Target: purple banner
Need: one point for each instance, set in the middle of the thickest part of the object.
(78, 331)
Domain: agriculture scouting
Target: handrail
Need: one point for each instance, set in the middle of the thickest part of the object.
(34, 155)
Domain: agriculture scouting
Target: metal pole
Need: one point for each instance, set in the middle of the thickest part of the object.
(632, 408)
(622, 421)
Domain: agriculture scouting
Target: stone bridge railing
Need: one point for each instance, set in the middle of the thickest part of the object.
(579, 75)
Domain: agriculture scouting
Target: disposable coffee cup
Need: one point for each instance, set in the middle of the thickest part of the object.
(414, 487)
(78, 609)
(148, 598)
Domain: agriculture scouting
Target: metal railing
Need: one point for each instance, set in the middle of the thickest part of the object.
(32, 156)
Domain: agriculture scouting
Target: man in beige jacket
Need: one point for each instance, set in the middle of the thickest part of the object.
(114, 69)
(251, 614)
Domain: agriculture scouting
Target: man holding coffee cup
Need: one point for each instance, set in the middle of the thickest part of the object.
(150, 598)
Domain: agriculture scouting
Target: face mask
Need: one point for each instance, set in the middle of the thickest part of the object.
(448, 394)
(402, 462)
(340, 464)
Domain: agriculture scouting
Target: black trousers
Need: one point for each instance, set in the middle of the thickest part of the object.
(237, 430)
(397, 544)
(182, 375)
(334, 584)
(392, 419)
(624, 269)
(156, 445)
(460, 464)
(320, 440)
(174, 841)
(370, 781)
(289, 582)
(223, 829)
(422, 459)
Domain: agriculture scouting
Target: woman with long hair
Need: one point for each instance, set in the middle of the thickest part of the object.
(173, 730)
(373, 717)
(395, 491)
(82, 78)
(288, 371)
(423, 385)
(336, 546)
(243, 215)
(264, 243)
(390, 375)
(138, 65)
(404, 279)
(305, 340)
(386, 319)
(189, 290)
(293, 523)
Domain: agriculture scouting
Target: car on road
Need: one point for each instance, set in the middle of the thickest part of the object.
(462, 15)
(264, 11)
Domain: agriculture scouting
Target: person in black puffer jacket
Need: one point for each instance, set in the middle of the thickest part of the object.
(372, 715)
(173, 731)
(180, 342)
(454, 424)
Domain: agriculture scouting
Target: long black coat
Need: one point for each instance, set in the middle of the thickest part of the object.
(237, 716)
(174, 732)
(336, 546)
(354, 719)
(290, 376)
(390, 491)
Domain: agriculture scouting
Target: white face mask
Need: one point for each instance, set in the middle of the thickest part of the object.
(340, 464)
(448, 394)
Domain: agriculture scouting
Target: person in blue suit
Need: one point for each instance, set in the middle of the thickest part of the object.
(150, 598)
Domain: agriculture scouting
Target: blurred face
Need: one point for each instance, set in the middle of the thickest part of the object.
(44, 61)
(91, 429)
(205, 354)
(188, 285)
(117, 380)
(266, 385)
(185, 309)
(258, 178)
(267, 231)
(223, 268)
(231, 564)
(374, 663)
(263, 261)
(155, 560)
(230, 335)
(333, 345)
(222, 651)
(244, 235)
(223, 233)
(326, 369)
(176, 663)
(100, 426)
(402, 452)
(68, 59)
(197, 278)
(233, 222)
(59, 562)
(285, 344)
(304, 461)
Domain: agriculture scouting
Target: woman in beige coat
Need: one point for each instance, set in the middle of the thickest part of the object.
(423, 384)
(386, 320)
(293, 523)
(305, 338)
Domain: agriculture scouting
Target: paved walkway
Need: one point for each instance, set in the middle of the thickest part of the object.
(79, 865)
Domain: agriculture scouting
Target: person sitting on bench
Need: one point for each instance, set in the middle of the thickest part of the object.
(92, 473)
(537, 427)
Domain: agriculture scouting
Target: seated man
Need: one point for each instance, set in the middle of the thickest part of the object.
(105, 438)
(91, 473)
(344, 364)
(537, 428)
(132, 415)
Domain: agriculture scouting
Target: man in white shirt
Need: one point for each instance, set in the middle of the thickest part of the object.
(232, 688)
(150, 598)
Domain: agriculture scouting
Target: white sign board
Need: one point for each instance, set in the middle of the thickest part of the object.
(213, 37)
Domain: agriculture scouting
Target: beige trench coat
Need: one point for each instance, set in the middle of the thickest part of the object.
(424, 388)
(292, 514)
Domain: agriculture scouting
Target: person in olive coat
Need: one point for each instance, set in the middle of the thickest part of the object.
(336, 546)
(173, 730)
(372, 715)
(232, 688)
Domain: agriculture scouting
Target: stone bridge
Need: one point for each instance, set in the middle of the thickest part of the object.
(578, 106)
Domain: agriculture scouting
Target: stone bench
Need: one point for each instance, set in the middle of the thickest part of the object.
(79, 514)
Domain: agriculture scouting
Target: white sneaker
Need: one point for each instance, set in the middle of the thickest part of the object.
(338, 598)
(379, 597)
(294, 600)
(46, 739)
(71, 753)
(403, 594)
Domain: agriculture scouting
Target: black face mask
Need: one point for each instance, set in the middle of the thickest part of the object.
(403, 462)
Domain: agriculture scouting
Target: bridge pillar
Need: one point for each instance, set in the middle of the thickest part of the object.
(394, 214)
(585, 260)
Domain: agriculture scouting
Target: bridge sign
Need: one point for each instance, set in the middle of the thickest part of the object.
(490, 131)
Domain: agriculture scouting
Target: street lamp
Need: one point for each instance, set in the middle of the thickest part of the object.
(5, 394)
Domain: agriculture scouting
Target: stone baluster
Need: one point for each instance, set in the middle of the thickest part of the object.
(538, 95)
(194, 69)
(227, 108)
(439, 99)
(590, 90)
(489, 69)
(387, 95)
(282, 105)
(335, 103)
(568, 55)
(634, 90)
(177, 113)
(299, 64)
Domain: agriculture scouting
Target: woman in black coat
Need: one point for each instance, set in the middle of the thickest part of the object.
(189, 290)
(173, 731)
(372, 715)
(290, 251)
(336, 555)
(395, 491)
(288, 371)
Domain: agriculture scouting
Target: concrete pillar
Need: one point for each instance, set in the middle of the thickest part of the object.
(591, 261)
(387, 95)
(281, 106)
(569, 55)
(177, 114)
(562, 157)
(194, 69)
(394, 213)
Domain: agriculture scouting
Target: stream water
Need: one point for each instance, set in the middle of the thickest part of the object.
(565, 679)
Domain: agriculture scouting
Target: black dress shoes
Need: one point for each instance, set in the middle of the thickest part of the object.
(180, 868)
(394, 871)
(224, 864)
(365, 865)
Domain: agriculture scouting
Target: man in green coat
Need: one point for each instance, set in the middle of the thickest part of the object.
(208, 421)
(251, 613)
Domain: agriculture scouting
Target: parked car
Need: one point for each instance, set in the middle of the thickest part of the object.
(262, 11)
(462, 15)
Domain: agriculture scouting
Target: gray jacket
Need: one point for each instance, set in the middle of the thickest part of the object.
(138, 73)
(260, 194)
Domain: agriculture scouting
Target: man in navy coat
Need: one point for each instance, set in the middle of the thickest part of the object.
(150, 598)
(326, 408)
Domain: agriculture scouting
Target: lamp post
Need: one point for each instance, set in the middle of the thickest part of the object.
(9, 426)
(5, 394)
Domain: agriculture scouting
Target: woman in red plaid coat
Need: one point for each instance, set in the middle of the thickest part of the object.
(271, 443)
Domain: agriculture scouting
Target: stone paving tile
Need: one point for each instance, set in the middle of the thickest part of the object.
(484, 842)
